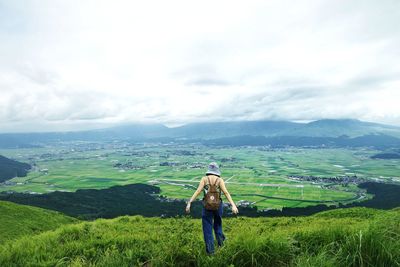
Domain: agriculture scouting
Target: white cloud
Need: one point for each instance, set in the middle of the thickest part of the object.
(64, 64)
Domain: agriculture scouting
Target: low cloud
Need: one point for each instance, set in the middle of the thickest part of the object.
(108, 63)
(207, 82)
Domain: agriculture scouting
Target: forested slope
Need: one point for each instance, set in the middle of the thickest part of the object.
(10, 168)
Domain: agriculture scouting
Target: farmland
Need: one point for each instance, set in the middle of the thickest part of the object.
(261, 176)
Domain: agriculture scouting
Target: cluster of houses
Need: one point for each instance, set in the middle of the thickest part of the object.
(194, 165)
(128, 166)
(242, 203)
(344, 180)
(10, 183)
(170, 163)
(230, 159)
(183, 152)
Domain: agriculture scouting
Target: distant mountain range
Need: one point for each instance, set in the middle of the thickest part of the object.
(377, 141)
(328, 128)
(320, 128)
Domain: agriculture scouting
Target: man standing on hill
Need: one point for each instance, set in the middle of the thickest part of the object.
(212, 184)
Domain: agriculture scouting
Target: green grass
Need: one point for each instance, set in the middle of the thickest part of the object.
(350, 237)
(20, 220)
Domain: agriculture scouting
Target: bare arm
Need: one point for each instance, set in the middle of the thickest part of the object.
(198, 191)
(228, 196)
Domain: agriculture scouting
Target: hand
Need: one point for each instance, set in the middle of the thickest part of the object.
(188, 207)
(235, 210)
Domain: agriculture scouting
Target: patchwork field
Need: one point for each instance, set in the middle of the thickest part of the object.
(254, 175)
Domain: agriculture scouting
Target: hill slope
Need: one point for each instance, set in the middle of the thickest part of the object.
(229, 129)
(377, 141)
(350, 127)
(19, 220)
(351, 237)
(10, 168)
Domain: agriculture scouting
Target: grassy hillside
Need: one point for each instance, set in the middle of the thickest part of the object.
(350, 237)
(19, 220)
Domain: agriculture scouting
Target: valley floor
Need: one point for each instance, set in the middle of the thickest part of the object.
(257, 176)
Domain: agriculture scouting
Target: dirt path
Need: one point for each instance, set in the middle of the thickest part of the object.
(356, 197)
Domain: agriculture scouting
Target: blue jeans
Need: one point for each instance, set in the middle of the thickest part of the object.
(207, 218)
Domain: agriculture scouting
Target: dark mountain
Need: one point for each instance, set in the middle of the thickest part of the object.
(320, 128)
(129, 132)
(378, 141)
(386, 156)
(349, 127)
(14, 141)
(228, 129)
(135, 132)
(10, 168)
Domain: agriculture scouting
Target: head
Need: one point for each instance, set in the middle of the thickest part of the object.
(213, 168)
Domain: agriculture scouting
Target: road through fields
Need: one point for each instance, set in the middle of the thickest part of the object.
(237, 183)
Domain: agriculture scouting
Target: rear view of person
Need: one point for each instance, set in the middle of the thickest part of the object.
(212, 184)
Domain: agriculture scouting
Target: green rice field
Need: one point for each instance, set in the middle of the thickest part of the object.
(254, 175)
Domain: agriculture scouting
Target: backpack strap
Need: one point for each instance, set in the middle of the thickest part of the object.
(209, 185)
(216, 180)
(219, 187)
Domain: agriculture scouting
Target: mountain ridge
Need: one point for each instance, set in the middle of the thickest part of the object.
(208, 130)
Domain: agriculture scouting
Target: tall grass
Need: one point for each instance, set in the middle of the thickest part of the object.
(18, 220)
(357, 237)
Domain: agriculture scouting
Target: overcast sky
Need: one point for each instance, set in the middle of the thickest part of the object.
(80, 64)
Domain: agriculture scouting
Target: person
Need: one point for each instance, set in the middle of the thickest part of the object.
(212, 218)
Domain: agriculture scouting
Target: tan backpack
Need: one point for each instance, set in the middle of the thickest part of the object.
(212, 199)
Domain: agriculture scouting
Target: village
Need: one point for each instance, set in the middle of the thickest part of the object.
(342, 180)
